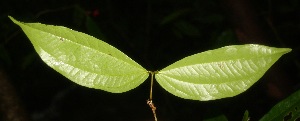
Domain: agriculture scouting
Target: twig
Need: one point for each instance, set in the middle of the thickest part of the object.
(149, 101)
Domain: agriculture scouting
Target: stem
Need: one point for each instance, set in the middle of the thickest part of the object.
(149, 101)
(152, 75)
(11, 108)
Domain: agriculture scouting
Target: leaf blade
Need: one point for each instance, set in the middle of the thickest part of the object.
(84, 59)
(285, 110)
(219, 73)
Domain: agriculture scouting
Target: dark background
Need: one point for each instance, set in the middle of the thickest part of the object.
(155, 33)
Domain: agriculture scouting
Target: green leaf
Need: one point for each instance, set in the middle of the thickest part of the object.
(217, 118)
(214, 74)
(219, 73)
(246, 116)
(84, 59)
(286, 110)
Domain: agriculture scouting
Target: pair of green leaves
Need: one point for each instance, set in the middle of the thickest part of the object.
(90, 62)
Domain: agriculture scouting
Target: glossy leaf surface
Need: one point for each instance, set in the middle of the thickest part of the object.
(219, 73)
(84, 59)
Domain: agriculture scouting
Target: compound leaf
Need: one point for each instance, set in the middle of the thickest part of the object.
(219, 73)
(84, 59)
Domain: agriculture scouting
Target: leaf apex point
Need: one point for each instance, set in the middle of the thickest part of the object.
(13, 20)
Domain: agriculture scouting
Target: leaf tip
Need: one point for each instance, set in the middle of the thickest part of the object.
(14, 20)
(288, 50)
(285, 50)
(11, 18)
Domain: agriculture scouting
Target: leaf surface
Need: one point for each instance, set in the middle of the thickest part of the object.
(84, 59)
(286, 110)
(219, 73)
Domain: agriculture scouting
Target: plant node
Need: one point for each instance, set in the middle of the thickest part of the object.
(153, 108)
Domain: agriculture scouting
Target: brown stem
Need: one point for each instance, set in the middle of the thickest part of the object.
(10, 108)
(246, 21)
(149, 101)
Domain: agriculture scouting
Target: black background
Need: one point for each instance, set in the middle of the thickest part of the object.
(155, 33)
